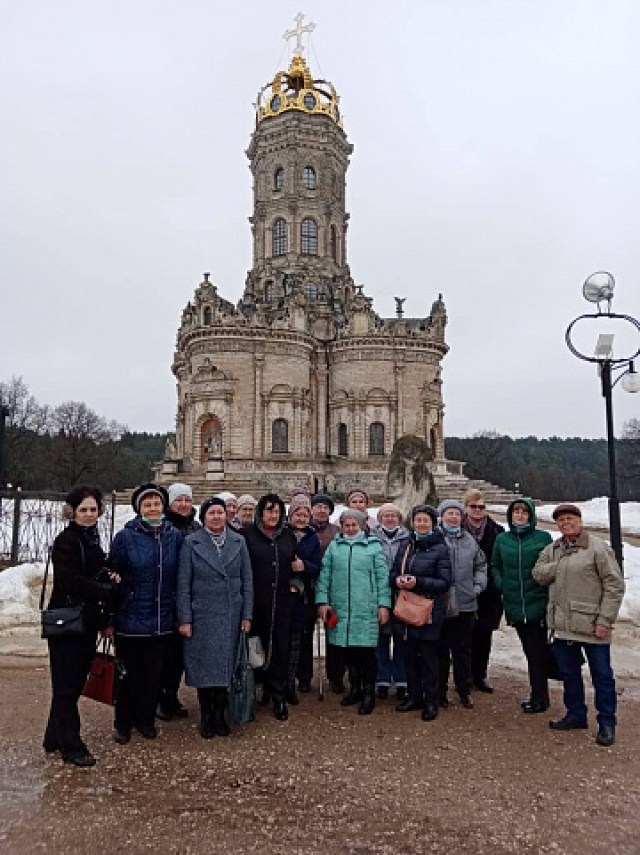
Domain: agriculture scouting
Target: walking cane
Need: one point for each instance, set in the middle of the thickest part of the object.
(319, 625)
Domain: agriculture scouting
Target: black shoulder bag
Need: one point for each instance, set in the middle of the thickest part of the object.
(61, 622)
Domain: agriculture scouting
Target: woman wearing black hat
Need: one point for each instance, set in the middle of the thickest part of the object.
(145, 554)
(272, 549)
(214, 602)
(79, 578)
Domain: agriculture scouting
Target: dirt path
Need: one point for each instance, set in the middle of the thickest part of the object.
(484, 781)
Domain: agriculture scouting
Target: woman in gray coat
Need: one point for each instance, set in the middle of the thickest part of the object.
(214, 602)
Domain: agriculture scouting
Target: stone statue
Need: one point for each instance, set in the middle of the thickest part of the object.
(409, 479)
(170, 448)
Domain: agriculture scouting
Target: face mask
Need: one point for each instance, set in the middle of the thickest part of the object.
(390, 531)
(350, 538)
(451, 529)
(153, 522)
(424, 536)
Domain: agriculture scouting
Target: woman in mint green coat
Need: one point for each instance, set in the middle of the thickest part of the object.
(515, 553)
(354, 582)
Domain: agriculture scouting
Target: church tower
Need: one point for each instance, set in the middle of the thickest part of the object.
(301, 381)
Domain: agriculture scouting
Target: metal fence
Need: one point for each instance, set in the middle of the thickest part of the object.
(30, 521)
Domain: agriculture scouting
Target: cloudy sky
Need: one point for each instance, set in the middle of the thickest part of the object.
(496, 161)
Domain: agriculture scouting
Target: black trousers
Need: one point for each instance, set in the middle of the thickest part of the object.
(533, 637)
(488, 620)
(335, 663)
(421, 662)
(173, 671)
(70, 661)
(144, 659)
(361, 662)
(276, 643)
(304, 671)
(456, 643)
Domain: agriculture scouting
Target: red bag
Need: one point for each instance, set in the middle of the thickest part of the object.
(104, 675)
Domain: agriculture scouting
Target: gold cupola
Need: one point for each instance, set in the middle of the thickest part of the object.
(296, 89)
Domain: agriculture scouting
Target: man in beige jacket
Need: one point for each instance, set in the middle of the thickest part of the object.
(585, 591)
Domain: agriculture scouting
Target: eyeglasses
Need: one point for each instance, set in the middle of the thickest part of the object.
(478, 507)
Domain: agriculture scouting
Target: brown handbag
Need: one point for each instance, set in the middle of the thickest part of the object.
(412, 608)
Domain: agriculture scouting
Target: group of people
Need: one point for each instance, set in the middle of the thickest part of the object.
(180, 595)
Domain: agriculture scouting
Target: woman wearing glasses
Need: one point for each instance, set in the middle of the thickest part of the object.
(484, 530)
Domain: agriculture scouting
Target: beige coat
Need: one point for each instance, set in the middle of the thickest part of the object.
(585, 588)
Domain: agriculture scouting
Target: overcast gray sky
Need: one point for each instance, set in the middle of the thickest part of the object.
(496, 160)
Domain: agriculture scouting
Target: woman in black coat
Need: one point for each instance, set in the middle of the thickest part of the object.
(79, 578)
(423, 566)
(272, 550)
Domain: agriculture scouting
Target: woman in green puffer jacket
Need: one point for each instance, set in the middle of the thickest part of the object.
(515, 553)
(354, 582)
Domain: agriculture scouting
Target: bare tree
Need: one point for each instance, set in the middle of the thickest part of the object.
(26, 422)
(79, 433)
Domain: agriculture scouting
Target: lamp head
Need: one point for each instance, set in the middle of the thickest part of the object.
(598, 288)
(631, 379)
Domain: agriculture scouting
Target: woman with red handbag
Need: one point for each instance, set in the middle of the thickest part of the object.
(81, 579)
(423, 567)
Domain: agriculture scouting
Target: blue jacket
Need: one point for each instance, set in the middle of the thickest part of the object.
(147, 560)
(429, 561)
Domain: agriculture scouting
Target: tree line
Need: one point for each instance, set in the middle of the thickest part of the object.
(51, 448)
(551, 469)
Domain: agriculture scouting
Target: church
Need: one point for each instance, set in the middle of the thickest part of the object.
(301, 385)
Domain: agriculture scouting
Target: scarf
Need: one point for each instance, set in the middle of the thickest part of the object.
(219, 540)
(477, 531)
(90, 535)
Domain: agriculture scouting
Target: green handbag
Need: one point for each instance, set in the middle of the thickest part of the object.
(242, 692)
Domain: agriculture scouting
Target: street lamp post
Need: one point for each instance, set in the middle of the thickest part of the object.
(598, 289)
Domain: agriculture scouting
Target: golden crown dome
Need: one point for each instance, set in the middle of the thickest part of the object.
(296, 89)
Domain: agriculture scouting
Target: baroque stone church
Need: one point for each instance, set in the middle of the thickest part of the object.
(301, 384)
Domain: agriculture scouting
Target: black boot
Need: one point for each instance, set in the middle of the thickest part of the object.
(368, 701)
(207, 730)
(356, 693)
(220, 726)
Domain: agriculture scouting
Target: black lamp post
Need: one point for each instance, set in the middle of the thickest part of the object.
(598, 289)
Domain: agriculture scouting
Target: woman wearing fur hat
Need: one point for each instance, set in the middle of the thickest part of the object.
(180, 514)
(145, 554)
(423, 566)
(354, 582)
(79, 578)
(214, 602)
(304, 611)
(389, 654)
(469, 579)
(272, 550)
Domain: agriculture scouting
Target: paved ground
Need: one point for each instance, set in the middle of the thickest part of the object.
(484, 781)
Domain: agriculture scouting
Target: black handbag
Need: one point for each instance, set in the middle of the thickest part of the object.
(61, 622)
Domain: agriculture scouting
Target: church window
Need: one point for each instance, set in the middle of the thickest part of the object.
(376, 438)
(309, 234)
(333, 244)
(309, 178)
(279, 237)
(269, 292)
(311, 290)
(278, 179)
(343, 449)
(207, 316)
(280, 436)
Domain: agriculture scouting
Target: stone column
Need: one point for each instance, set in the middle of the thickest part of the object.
(399, 375)
(321, 415)
(258, 429)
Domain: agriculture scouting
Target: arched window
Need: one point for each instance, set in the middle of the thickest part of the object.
(279, 237)
(343, 447)
(269, 292)
(309, 178)
(207, 316)
(311, 291)
(280, 436)
(333, 244)
(278, 179)
(211, 439)
(309, 234)
(376, 438)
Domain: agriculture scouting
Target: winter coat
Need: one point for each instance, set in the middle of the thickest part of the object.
(585, 587)
(146, 557)
(514, 556)
(390, 547)
(354, 581)
(309, 551)
(187, 525)
(489, 601)
(271, 557)
(214, 594)
(428, 560)
(77, 564)
(469, 568)
(325, 534)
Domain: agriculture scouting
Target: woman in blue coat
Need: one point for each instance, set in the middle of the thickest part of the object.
(214, 602)
(145, 554)
(423, 566)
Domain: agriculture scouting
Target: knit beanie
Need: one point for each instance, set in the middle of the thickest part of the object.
(225, 496)
(177, 490)
(389, 508)
(323, 499)
(247, 500)
(354, 493)
(300, 500)
(208, 503)
(148, 490)
(450, 503)
(359, 516)
(425, 509)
